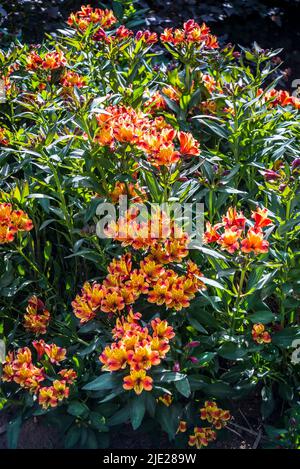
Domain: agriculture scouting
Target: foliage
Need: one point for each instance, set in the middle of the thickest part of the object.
(102, 112)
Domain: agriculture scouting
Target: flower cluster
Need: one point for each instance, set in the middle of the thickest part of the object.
(70, 79)
(214, 415)
(123, 286)
(48, 61)
(133, 190)
(260, 335)
(11, 222)
(37, 317)
(234, 237)
(88, 15)
(281, 98)
(136, 348)
(161, 144)
(20, 369)
(192, 33)
(202, 436)
(158, 102)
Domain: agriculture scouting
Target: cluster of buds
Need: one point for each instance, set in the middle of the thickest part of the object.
(234, 238)
(124, 285)
(214, 415)
(37, 317)
(281, 177)
(260, 335)
(88, 15)
(192, 33)
(19, 368)
(146, 38)
(135, 348)
(274, 98)
(12, 222)
(161, 144)
(49, 61)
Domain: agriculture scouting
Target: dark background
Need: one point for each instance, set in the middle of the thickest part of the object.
(271, 23)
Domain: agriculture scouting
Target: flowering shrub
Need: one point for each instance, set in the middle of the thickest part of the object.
(154, 330)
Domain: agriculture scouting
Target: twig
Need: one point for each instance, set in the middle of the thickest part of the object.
(234, 431)
(257, 440)
(245, 418)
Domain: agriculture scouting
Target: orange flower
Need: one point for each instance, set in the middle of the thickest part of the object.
(12, 221)
(229, 240)
(138, 381)
(86, 305)
(143, 358)
(211, 234)
(68, 375)
(232, 219)
(202, 436)
(3, 137)
(188, 145)
(50, 396)
(112, 302)
(113, 359)
(213, 414)
(82, 18)
(161, 329)
(255, 242)
(260, 217)
(37, 317)
(260, 335)
(56, 354)
(71, 79)
(151, 269)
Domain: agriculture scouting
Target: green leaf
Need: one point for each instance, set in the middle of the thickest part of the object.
(232, 351)
(104, 382)
(13, 432)
(123, 415)
(72, 436)
(137, 410)
(183, 386)
(263, 317)
(285, 337)
(77, 408)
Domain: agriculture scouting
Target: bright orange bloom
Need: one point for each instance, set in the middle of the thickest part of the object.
(209, 82)
(229, 240)
(254, 242)
(37, 317)
(260, 335)
(211, 234)
(151, 269)
(86, 305)
(56, 354)
(233, 219)
(260, 217)
(192, 33)
(188, 145)
(50, 396)
(143, 358)
(68, 375)
(213, 414)
(113, 359)
(82, 18)
(138, 381)
(12, 221)
(161, 329)
(113, 301)
(71, 79)
(202, 436)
